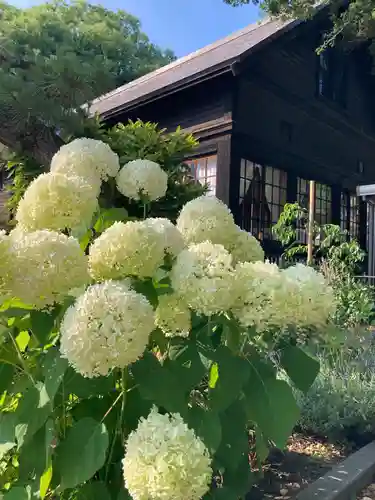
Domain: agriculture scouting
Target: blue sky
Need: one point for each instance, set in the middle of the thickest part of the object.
(182, 25)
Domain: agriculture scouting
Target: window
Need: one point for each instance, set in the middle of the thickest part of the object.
(354, 217)
(204, 171)
(262, 197)
(275, 191)
(323, 204)
(344, 213)
(332, 75)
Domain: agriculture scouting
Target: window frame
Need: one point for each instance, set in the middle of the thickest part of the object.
(194, 165)
(332, 76)
(260, 223)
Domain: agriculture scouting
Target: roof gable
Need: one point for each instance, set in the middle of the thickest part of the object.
(214, 58)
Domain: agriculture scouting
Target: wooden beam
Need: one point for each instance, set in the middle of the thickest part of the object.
(223, 168)
(310, 235)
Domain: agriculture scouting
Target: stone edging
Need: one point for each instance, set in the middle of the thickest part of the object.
(344, 480)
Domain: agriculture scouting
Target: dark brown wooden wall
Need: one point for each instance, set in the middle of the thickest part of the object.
(191, 108)
(281, 121)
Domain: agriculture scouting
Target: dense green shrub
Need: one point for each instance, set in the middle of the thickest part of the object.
(340, 259)
(355, 299)
(130, 141)
(341, 402)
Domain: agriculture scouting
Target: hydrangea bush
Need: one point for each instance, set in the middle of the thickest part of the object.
(136, 354)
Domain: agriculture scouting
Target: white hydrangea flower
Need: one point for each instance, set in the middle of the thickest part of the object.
(272, 298)
(87, 158)
(142, 179)
(108, 327)
(47, 266)
(261, 297)
(6, 266)
(172, 316)
(126, 249)
(245, 248)
(56, 202)
(310, 299)
(204, 278)
(173, 240)
(206, 218)
(165, 460)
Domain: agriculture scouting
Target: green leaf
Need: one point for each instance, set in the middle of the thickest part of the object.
(35, 455)
(8, 354)
(42, 324)
(82, 453)
(233, 374)
(14, 307)
(235, 441)
(83, 387)
(239, 480)
(7, 433)
(270, 402)
(233, 335)
(207, 426)
(54, 368)
(214, 376)
(261, 445)
(109, 217)
(157, 384)
(6, 376)
(136, 407)
(224, 494)
(45, 481)
(300, 367)
(22, 340)
(32, 412)
(123, 495)
(147, 289)
(18, 493)
(184, 363)
(97, 490)
(85, 239)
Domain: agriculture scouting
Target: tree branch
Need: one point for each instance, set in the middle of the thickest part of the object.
(33, 139)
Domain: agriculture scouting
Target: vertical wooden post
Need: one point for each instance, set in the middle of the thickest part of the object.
(310, 235)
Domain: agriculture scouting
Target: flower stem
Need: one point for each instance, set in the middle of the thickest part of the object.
(117, 431)
(144, 211)
(124, 383)
(22, 361)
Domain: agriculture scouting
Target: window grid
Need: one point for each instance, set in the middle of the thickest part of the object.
(204, 170)
(263, 192)
(344, 216)
(323, 204)
(354, 217)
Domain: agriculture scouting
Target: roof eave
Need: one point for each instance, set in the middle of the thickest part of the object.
(168, 90)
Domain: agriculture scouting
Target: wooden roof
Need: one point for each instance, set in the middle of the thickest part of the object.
(213, 59)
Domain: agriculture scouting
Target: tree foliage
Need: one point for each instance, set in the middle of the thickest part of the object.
(351, 19)
(56, 57)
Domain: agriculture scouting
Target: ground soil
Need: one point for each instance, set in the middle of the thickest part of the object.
(287, 473)
(368, 493)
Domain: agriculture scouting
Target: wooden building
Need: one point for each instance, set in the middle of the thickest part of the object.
(270, 114)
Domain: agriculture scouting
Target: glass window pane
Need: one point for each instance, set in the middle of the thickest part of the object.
(262, 194)
(204, 171)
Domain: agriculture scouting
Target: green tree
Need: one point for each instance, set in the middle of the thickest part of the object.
(56, 57)
(355, 20)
